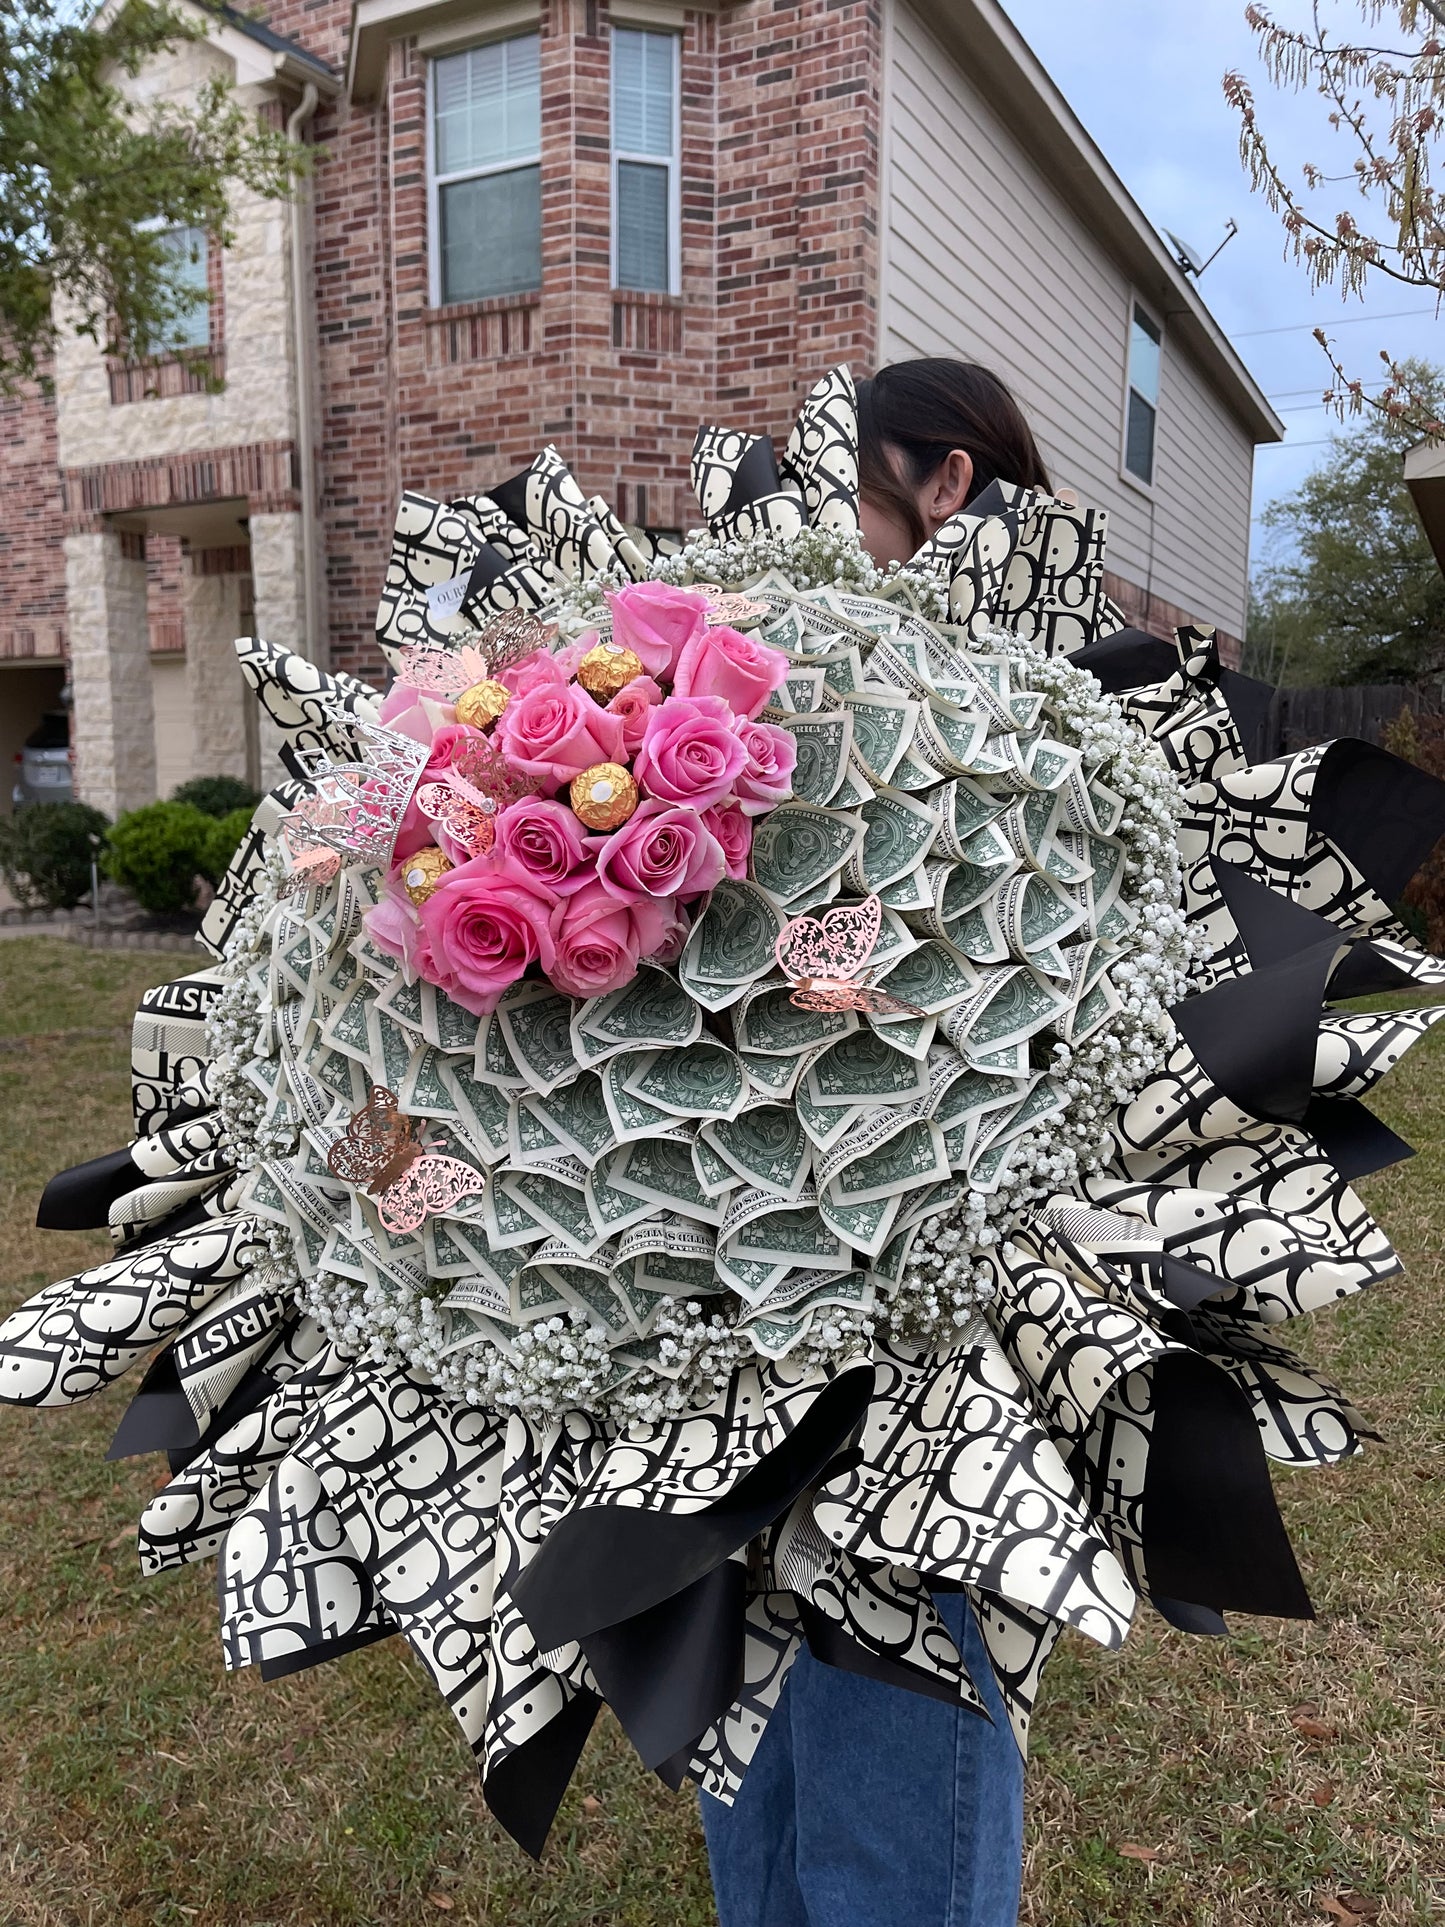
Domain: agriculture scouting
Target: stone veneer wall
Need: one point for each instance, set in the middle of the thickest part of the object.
(115, 746)
(258, 403)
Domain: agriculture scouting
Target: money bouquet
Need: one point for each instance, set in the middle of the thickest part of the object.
(747, 1089)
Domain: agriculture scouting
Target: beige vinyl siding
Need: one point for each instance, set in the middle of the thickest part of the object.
(984, 258)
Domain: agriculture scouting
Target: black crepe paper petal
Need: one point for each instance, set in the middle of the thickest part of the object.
(1382, 812)
(524, 1790)
(1256, 1035)
(670, 1672)
(1212, 1532)
(606, 1563)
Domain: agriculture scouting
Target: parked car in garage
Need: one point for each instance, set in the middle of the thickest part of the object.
(42, 767)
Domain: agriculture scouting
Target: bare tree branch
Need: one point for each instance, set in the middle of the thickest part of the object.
(1389, 105)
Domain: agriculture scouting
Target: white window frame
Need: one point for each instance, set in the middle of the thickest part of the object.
(672, 162)
(173, 350)
(435, 182)
(1126, 473)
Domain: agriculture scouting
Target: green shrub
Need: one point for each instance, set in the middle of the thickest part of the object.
(217, 795)
(45, 853)
(158, 852)
(225, 838)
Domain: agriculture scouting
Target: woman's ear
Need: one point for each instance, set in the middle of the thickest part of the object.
(946, 490)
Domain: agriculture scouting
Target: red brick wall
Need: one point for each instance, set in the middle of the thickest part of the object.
(32, 561)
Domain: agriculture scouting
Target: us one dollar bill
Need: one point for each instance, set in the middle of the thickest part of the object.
(799, 846)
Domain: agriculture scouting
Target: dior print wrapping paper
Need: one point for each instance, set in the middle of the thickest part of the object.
(747, 1090)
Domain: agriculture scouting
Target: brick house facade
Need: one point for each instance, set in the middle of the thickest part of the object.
(163, 518)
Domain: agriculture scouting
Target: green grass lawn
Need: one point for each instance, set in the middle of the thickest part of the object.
(1286, 1774)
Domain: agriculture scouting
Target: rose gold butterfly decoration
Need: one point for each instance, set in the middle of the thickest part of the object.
(478, 786)
(725, 608)
(821, 954)
(443, 672)
(508, 638)
(382, 1151)
(310, 857)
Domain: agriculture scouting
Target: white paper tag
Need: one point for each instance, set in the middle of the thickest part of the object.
(444, 599)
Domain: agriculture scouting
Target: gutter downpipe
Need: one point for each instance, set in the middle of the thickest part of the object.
(312, 642)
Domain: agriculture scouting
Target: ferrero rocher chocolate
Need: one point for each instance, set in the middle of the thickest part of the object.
(423, 870)
(483, 703)
(604, 796)
(608, 668)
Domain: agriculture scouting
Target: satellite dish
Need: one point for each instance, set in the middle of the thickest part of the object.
(1189, 259)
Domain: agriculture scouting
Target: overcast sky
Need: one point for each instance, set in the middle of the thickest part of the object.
(1144, 78)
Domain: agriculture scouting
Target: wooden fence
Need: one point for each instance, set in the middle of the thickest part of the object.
(1299, 717)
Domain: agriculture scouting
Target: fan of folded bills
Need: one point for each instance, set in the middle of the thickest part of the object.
(744, 1091)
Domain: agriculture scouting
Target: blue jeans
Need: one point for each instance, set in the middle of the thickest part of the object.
(870, 1806)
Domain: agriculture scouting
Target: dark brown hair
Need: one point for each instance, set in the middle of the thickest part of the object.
(926, 409)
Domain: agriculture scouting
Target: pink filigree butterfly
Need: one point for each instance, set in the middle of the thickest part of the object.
(467, 800)
(382, 1151)
(505, 640)
(466, 816)
(307, 835)
(821, 954)
(445, 672)
(725, 607)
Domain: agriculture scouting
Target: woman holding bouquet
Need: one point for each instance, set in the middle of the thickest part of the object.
(865, 1805)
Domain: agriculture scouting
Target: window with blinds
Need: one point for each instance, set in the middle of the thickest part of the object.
(486, 170)
(1142, 413)
(187, 252)
(645, 193)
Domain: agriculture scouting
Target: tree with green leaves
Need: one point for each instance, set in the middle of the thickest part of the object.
(1352, 592)
(94, 184)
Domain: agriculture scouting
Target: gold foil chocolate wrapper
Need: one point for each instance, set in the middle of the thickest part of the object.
(482, 704)
(604, 796)
(423, 870)
(608, 668)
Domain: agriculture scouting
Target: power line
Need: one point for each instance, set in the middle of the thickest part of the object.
(1288, 394)
(1346, 321)
(1301, 407)
(1269, 448)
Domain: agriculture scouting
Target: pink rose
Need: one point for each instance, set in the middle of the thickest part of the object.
(543, 841)
(417, 713)
(656, 622)
(735, 833)
(772, 758)
(724, 662)
(661, 929)
(540, 667)
(555, 731)
(394, 925)
(416, 830)
(660, 851)
(485, 928)
(596, 943)
(690, 752)
(632, 705)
